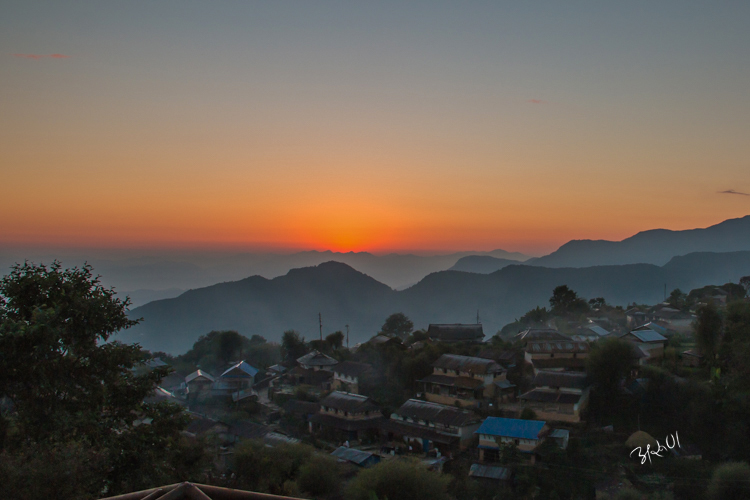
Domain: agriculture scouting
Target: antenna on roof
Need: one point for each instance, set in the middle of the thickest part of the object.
(320, 323)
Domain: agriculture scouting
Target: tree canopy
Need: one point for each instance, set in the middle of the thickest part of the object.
(71, 388)
(565, 302)
(397, 324)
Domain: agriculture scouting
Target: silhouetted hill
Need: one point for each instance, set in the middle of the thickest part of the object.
(344, 296)
(482, 264)
(651, 247)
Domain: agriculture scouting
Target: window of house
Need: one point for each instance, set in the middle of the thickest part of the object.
(552, 355)
(445, 370)
(346, 413)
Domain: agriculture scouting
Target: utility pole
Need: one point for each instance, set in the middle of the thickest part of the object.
(347, 336)
(320, 323)
(477, 316)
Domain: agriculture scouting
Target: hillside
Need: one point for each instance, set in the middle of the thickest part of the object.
(344, 296)
(482, 264)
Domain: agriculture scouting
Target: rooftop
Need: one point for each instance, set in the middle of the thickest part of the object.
(346, 401)
(462, 382)
(241, 369)
(199, 374)
(478, 366)
(489, 472)
(435, 412)
(647, 335)
(547, 396)
(511, 427)
(351, 455)
(351, 368)
(316, 358)
(546, 346)
(568, 380)
(455, 332)
(532, 334)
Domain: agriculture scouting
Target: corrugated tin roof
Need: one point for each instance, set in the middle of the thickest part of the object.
(561, 379)
(241, 370)
(199, 373)
(511, 427)
(647, 336)
(455, 332)
(548, 346)
(489, 472)
(346, 401)
(598, 330)
(549, 363)
(547, 396)
(437, 413)
(532, 334)
(316, 358)
(350, 454)
(560, 433)
(462, 382)
(503, 384)
(479, 366)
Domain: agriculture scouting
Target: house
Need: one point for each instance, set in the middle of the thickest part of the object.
(675, 319)
(456, 333)
(238, 377)
(316, 360)
(559, 355)
(692, 357)
(357, 457)
(431, 425)
(302, 410)
(561, 437)
(464, 380)
(558, 396)
(344, 416)
(348, 374)
(650, 342)
(496, 432)
(199, 384)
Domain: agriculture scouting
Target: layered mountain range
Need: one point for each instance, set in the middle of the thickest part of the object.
(344, 296)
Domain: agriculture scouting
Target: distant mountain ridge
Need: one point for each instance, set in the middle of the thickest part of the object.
(344, 296)
(655, 246)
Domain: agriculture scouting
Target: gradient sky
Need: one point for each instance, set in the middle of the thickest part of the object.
(370, 125)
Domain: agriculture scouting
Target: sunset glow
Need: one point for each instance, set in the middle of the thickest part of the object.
(356, 128)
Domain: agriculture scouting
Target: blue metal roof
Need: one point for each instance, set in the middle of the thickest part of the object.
(244, 368)
(648, 336)
(511, 427)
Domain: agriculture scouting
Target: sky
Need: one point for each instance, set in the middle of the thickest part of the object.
(369, 126)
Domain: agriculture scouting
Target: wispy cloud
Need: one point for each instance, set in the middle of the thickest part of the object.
(42, 56)
(732, 191)
(537, 101)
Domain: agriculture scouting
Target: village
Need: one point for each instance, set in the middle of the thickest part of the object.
(499, 411)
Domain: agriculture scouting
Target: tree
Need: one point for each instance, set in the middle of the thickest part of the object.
(597, 303)
(69, 384)
(335, 340)
(397, 324)
(745, 283)
(230, 343)
(319, 476)
(677, 299)
(565, 302)
(708, 326)
(608, 363)
(398, 480)
(292, 346)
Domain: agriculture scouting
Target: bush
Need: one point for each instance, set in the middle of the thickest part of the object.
(729, 481)
(319, 476)
(399, 479)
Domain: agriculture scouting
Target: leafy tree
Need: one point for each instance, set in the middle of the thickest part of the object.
(69, 386)
(230, 343)
(335, 340)
(264, 469)
(398, 480)
(292, 345)
(608, 364)
(708, 327)
(730, 481)
(397, 324)
(597, 303)
(677, 299)
(566, 302)
(745, 283)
